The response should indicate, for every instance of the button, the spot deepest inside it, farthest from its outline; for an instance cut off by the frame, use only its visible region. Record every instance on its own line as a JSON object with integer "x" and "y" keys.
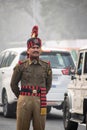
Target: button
{"x": 35, "y": 61}
{"x": 34, "y": 91}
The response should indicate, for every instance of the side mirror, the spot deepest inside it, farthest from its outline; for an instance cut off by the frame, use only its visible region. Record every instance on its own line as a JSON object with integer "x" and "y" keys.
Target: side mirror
{"x": 73, "y": 77}
{"x": 72, "y": 71}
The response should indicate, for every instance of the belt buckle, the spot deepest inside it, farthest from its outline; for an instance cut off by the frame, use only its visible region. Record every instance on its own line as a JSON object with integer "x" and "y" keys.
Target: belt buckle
{"x": 34, "y": 91}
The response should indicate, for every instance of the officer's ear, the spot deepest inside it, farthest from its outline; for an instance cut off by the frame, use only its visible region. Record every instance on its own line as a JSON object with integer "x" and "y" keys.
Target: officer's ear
{"x": 28, "y": 51}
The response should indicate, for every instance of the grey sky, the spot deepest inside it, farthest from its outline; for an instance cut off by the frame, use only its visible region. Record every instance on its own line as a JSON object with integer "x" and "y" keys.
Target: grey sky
{"x": 57, "y": 20}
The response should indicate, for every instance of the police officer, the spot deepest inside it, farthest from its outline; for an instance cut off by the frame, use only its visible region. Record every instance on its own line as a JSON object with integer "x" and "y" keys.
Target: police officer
{"x": 35, "y": 76}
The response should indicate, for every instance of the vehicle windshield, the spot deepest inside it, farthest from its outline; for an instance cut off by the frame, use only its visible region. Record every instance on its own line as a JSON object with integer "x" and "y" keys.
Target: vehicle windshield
{"x": 57, "y": 59}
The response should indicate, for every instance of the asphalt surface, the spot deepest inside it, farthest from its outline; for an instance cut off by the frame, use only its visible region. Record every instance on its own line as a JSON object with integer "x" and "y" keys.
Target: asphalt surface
{"x": 54, "y": 121}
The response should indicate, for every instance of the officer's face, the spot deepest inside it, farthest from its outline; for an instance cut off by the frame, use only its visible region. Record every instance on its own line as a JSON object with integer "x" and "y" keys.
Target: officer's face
{"x": 34, "y": 51}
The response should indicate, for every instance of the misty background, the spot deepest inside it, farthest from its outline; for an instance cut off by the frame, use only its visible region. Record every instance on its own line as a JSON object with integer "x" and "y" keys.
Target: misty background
{"x": 57, "y": 20}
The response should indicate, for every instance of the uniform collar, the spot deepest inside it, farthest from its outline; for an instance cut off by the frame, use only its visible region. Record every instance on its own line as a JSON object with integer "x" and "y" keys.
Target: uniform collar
{"x": 34, "y": 61}
{"x": 30, "y": 61}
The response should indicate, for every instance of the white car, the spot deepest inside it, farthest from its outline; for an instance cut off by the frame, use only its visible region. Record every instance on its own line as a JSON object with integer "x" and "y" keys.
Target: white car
{"x": 61, "y": 62}
{"x": 75, "y": 99}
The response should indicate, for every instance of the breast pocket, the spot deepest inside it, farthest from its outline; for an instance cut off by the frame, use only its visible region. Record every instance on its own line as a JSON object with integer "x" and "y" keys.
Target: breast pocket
{"x": 27, "y": 74}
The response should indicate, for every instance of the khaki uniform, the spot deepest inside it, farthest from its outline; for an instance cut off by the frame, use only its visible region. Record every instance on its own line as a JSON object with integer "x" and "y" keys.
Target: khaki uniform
{"x": 30, "y": 73}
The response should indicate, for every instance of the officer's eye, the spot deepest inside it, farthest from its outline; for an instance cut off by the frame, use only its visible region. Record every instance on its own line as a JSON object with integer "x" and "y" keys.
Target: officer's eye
{"x": 35, "y": 47}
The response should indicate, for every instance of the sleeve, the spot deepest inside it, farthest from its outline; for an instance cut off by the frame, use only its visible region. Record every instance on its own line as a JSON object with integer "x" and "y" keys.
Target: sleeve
{"x": 16, "y": 77}
{"x": 49, "y": 78}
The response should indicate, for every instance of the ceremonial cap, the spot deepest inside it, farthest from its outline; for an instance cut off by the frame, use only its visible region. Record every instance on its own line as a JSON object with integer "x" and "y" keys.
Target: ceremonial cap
{"x": 34, "y": 40}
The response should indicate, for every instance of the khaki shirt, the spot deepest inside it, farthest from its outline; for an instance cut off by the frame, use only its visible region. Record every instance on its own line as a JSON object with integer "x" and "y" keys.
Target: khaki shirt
{"x": 31, "y": 73}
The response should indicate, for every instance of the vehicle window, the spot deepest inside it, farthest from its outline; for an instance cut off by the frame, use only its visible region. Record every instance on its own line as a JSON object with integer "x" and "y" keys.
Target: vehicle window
{"x": 11, "y": 57}
{"x": 52, "y": 58}
{"x": 74, "y": 54}
{"x": 85, "y": 63}
{"x": 1, "y": 59}
{"x": 58, "y": 59}
{"x": 5, "y": 58}
{"x": 23, "y": 56}
{"x": 67, "y": 59}
{"x": 79, "y": 70}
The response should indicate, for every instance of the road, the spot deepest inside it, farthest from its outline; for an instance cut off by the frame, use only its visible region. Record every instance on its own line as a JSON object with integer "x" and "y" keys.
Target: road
{"x": 54, "y": 121}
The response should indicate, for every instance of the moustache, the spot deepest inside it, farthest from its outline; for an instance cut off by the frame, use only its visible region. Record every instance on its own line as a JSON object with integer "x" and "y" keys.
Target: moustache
{"x": 36, "y": 52}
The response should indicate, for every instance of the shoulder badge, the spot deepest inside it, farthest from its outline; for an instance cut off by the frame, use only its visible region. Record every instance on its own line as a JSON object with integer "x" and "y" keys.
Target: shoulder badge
{"x": 48, "y": 62}
{"x": 19, "y": 62}
{"x": 22, "y": 61}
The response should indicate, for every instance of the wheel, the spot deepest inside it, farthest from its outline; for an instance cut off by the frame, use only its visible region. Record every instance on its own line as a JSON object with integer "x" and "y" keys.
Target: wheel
{"x": 72, "y": 125}
{"x": 6, "y": 106}
{"x": 86, "y": 121}
{"x": 48, "y": 109}
{"x": 68, "y": 125}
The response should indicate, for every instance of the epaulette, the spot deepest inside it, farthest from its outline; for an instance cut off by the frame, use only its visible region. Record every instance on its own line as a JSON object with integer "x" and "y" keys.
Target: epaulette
{"x": 22, "y": 61}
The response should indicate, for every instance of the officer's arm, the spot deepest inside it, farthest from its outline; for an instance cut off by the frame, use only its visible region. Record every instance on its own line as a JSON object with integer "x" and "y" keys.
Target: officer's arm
{"x": 15, "y": 80}
{"x": 49, "y": 78}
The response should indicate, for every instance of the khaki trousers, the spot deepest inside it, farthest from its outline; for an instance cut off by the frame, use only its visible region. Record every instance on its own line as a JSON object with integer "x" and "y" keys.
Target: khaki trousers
{"x": 28, "y": 109}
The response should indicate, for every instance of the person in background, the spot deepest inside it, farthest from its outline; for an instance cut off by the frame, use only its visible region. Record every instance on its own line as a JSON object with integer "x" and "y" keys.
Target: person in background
{"x": 35, "y": 76}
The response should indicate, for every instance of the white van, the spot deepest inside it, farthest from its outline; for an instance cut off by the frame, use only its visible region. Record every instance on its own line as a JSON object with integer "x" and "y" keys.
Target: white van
{"x": 61, "y": 62}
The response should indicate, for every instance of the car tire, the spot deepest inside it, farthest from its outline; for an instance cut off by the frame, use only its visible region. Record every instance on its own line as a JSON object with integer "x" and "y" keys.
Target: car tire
{"x": 86, "y": 121}
{"x": 48, "y": 109}
{"x": 6, "y": 106}
{"x": 68, "y": 125}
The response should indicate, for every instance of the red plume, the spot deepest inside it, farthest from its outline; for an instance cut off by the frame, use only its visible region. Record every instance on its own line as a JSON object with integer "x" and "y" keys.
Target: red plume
{"x": 34, "y": 31}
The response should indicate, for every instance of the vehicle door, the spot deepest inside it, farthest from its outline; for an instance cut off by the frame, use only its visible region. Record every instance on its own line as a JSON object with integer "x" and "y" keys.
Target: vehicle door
{"x": 84, "y": 82}
{"x": 80, "y": 87}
